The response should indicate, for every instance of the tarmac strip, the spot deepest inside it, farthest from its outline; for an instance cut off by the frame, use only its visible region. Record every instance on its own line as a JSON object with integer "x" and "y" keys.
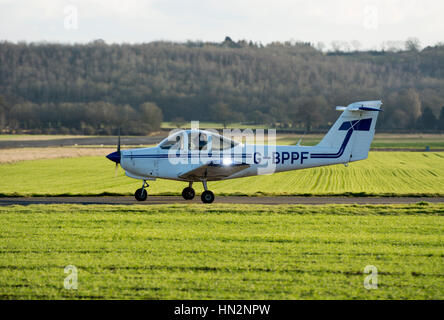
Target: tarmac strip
{"x": 151, "y": 200}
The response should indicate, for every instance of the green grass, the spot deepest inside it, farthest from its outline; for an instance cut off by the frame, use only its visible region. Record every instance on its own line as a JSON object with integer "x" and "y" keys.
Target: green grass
{"x": 222, "y": 251}
{"x": 213, "y": 125}
{"x": 384, "y": 173}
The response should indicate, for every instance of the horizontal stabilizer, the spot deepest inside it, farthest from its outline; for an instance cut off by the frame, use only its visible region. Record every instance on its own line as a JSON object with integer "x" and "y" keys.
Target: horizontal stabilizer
{"x": 368, "y": 109}
{"x": 362, "y": 106}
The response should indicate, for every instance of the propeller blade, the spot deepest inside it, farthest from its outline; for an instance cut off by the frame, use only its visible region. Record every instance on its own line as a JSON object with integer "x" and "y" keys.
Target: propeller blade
{"x": 116, "y": 155}
{"x": 118, "y": 142}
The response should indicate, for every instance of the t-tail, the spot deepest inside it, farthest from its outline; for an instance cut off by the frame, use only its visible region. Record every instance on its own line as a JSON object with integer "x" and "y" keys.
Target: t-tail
{"x": 349, "y": 139}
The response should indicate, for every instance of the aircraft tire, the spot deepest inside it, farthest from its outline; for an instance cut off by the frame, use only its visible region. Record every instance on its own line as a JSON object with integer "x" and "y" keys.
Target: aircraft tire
{"x": 141, "y": 194}
{"x": 188, "y": 193}
{"x": 207, "y": 196}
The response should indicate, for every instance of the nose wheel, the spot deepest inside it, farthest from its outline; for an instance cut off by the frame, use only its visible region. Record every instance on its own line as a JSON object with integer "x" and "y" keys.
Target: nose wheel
{"x": 207, "y": 196}
{"x": 141, "y": 194}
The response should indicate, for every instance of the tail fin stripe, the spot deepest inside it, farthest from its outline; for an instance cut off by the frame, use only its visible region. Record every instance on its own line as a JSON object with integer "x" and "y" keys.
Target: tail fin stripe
{"x": 339, "y": 153}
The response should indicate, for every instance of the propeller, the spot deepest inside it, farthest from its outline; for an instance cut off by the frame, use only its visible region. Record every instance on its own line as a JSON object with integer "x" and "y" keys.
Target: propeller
{"x": 118, "y": 151}
{"x": 115, "y": 156}
{"x": 118, "y": 141}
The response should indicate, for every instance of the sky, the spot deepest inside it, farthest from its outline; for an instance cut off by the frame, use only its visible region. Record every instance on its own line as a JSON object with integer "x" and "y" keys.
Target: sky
{"x": 352, "y": 24}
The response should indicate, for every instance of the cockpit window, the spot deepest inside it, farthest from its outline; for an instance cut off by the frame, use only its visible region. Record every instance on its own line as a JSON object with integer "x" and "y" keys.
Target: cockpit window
{"x": 197, "y": 141}
{"x": 174, "y": 141}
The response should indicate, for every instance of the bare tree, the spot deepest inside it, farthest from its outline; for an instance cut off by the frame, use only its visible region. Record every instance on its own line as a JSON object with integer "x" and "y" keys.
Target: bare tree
{"x": 412, "y": 44}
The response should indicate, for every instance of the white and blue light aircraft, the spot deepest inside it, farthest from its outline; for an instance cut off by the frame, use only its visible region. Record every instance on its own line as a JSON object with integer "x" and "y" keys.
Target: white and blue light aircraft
{"x": 202, "y": 156}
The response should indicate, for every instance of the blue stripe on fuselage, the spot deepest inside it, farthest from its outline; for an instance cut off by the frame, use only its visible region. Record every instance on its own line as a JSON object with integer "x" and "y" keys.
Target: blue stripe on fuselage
{"x": 184, "y": 155}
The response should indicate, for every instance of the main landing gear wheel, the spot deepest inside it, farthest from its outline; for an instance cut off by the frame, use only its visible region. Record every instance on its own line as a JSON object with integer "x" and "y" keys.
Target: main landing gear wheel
{"x": 141, "y": 193}
{"x": 207, "y": 196}
{"x": 188, "y": 193}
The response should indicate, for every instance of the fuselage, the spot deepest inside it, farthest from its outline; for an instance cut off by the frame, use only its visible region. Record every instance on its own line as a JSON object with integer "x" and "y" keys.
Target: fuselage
{"x": 262, "y": 159}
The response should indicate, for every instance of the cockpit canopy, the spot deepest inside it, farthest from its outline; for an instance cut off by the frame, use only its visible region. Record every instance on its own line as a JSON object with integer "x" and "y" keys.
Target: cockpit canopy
{"x": 197, "y": 140}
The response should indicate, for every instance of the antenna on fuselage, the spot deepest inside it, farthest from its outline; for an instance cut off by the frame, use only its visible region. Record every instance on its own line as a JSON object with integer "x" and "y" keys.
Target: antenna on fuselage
{"x": 300, "y": 140}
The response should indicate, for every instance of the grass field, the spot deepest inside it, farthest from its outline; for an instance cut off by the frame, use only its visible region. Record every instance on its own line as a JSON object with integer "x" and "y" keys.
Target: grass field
{"x": 384, "y": 173}
{"x": 222, "y": 251}
{"x": 22, "y": 137}
{"x": 212, "y": 125}
{"x": 381, "y": 141}
{"x": 25, "y": 154}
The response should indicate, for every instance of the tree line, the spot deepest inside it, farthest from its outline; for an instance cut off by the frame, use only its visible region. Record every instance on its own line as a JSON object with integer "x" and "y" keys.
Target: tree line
{"x": 91, "y": 118}
{"x": 92, "y": 88}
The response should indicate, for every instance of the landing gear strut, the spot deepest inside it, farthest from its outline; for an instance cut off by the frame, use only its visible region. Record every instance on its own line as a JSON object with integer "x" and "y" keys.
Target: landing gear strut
{"x": 141, "y": 193}
{"x": 207, "y": 196}
{"x": 188, "y": 193}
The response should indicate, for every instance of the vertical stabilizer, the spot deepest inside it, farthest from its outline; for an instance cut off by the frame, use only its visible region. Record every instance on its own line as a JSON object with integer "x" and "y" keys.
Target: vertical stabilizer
{"x": 353, "y": 132}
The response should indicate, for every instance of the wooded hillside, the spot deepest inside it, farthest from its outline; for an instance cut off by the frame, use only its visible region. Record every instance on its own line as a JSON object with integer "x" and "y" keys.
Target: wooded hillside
{"x": 95, "y": 86}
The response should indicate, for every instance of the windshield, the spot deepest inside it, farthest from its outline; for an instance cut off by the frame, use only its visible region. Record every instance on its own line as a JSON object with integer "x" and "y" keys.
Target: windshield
{"x": 197, "y": 141}
{"x": 172, "y": 141}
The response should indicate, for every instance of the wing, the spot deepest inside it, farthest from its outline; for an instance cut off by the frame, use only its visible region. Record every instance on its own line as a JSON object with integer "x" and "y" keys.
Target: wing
{"x": 213, "y": 171}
